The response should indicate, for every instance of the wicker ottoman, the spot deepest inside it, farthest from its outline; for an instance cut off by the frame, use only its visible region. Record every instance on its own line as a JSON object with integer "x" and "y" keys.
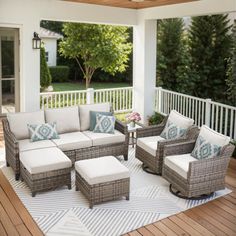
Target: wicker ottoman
{"x": 45, "y": 168}
{"x": 102, "y": 179}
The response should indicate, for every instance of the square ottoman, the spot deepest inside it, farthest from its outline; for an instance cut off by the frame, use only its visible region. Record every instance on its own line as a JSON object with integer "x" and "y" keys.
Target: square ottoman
{"x": 102, "y": 179}
{"x": 45, "y": 168}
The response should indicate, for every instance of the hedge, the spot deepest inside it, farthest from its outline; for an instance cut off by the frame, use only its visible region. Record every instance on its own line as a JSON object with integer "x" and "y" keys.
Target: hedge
{"x": 59, "y": 73}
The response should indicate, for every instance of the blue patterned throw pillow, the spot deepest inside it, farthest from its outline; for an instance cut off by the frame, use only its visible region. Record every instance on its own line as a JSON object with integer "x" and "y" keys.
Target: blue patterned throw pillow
{"x": 93, "y": 115}
{"x": 203, "y": 149}
{"x": 104, "y": 124}
{"x": 43, "y": 132}
{"x": 172, "y": 131}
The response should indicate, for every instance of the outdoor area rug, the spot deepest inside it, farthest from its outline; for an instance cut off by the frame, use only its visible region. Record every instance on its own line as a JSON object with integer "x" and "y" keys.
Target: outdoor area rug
{"x": 66, "y": 212}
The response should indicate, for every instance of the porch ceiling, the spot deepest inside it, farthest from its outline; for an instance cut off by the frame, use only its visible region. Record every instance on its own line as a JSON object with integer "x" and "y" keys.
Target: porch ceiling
{"x": 131, "y": 4}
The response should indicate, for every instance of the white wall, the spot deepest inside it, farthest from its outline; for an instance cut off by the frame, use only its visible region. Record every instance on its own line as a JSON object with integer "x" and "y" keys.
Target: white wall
{"x": 27, "y": 14}
{"x": 50, "y": 45}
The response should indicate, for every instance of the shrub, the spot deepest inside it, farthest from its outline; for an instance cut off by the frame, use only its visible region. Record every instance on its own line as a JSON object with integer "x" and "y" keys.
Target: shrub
{"x": 59, "y": 73}
{"x": 45, "y": 77}
{"x": 155, "y": 119}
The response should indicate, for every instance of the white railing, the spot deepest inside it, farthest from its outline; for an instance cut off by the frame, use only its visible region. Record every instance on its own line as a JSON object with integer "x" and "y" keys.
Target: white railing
{"x": 217, "y": 116}
{"x": 120, "y": 98}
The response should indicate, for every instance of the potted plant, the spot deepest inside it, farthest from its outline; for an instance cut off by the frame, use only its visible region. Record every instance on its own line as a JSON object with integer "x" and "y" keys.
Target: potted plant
{"x": 132, "y": 118}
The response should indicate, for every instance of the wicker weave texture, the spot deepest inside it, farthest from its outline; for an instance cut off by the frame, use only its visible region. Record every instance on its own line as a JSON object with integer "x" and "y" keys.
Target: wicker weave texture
{"x": 46, "y": 180}
{"x": 204, "y": 176}
{"x": 154, "y": 163}
{"x": 103, "y": 192}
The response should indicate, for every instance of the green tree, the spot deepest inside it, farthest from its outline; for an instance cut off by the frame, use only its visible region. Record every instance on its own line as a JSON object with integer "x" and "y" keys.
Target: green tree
{"x": 96, "y": 46}
{"x": 210, "y": 44}
{"x": 55, "y": 26}
{"x": 45, "y": 76}
{"x": 231, "y": 80}
{"x": 170, "y": 54}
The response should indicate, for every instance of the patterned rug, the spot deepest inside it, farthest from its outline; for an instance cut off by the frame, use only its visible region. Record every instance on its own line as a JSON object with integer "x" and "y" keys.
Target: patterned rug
{"x": 66, "y": 212}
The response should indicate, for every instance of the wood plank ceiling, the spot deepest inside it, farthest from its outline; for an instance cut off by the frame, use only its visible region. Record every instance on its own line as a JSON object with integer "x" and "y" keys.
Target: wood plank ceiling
{"x": 138, "y": 4}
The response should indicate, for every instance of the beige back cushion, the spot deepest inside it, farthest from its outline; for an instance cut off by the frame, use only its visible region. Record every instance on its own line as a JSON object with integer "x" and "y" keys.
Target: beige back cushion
{"x": 180, "y": 120}
{"x": 18, "y": 122}
{"x": 84, "y": 112}
{"x": 67, "y": 119}
{"x": 213, "y": 137}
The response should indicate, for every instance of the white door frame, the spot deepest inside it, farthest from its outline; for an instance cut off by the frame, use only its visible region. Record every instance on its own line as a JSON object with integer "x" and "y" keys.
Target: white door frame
{"x": 15, "y": 33}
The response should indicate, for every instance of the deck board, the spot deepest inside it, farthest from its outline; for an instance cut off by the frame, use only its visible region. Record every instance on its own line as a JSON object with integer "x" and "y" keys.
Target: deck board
{"x": 217, "y": 217}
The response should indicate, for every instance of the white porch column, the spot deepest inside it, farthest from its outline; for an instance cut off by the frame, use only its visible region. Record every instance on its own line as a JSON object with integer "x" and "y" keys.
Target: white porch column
{"x": 144, "y": 67}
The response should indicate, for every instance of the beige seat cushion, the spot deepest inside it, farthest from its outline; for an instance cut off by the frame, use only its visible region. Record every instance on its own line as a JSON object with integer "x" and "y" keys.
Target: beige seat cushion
{"x": 44, "y": 160}
{"x": 84, "y": 112}
{"x": 72, "y": 141}
{"x": 67, "y": 119}
{"x": 101, "y": 170}
{"x": 179, "y": 163}
{"x": 149, "y": 144}
{"x": 180, "y": 120}
{"x": 213, "y": 137}
{"x": 104, "y": 138}
{"x": 18, "y": 122}
{"x": 26, "y": 144}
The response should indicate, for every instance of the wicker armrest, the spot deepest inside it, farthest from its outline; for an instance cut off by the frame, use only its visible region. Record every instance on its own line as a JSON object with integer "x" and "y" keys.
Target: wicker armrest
{"x": 179, "y": 148}
{"x": 8, "y": 133}
{"x": 213, "y": 165}
{"x": 149, "y": 131}
{"x": 122, "y": 127}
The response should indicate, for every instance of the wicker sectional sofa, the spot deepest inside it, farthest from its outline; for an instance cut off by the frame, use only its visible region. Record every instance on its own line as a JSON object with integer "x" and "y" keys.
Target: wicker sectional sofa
{"x": 76, "y": 141}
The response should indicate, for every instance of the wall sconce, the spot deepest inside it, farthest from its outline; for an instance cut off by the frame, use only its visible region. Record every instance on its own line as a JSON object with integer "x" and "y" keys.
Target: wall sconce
{"x": 36, "y": 41}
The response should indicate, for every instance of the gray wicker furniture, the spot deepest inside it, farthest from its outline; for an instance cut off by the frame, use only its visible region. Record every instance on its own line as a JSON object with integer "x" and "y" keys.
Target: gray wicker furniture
{"x": 196, "y": 178}
{"x": 75, "y": 124}
{"x": 102, "y": 179}
{"x": 45, "y": 169}
{"x": 152, "y": 162}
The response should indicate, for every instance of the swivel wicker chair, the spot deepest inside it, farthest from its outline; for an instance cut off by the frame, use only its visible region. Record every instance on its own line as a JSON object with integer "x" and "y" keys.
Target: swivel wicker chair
{"x": 192, "y": 178}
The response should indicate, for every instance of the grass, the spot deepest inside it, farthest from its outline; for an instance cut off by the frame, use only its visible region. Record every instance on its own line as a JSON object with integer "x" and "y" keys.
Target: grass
{"x": 57, "y": 87}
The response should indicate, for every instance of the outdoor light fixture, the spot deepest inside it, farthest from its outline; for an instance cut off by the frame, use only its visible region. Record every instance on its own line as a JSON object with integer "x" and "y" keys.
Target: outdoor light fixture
{"x": 36, "y": 41}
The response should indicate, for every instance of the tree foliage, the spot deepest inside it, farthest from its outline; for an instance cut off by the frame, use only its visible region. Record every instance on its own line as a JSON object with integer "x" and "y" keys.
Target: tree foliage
{"x": 96, "y": 46}
{"x": 231, "y": 80}
{"x": 210, "y": 43}
{"x": 45, "y": 76}
{"x": 170, "y": 53}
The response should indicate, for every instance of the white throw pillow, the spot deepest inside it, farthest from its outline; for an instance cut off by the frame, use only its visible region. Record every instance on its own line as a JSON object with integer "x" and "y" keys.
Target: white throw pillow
{"x": 84, "y": 112}
{"x": 66, "y": 119}
{"x": 180, "y": 120}
{"x": 18, "y": 122}
{"x": 209, "y": 143}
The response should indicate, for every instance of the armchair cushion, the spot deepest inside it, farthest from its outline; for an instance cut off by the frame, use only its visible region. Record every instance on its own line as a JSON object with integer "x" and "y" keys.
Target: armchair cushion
{"x": 180, "y": 120}
{"x": 209, "y": 143}
{"x": 172, "y": 131}
{"x": 149, "y": 144}
{"x": 26, "y": 145}
{"x": 84, "y": 112}
{"x": 176, "y": 125}
{"x": 18, "y": 122}
{"x": 179, "y": 163}
{"x": 66, "y": 119}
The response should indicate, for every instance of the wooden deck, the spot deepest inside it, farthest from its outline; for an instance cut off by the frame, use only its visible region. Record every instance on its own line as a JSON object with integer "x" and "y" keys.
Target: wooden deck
{"x": 217, "y": 217}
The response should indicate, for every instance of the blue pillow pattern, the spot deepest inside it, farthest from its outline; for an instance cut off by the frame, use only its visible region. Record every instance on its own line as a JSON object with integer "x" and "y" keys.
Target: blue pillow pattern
{"x": 203, "y": 149}
{"x": 93, "y": 118}
{"x": 104, "y": 124}
{"x": 42, "y": 132}
{"x": 172, "y": 131}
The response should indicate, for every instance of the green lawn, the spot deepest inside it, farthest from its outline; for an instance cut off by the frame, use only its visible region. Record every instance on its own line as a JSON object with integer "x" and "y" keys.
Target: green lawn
{"x": 57, "y": 87}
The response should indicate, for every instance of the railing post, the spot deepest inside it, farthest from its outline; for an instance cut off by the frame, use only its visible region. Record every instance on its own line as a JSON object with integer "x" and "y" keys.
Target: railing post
{"x": 158, "y": 102}
{"x": 208, "y": 112}
{"x": 90, "y": 96}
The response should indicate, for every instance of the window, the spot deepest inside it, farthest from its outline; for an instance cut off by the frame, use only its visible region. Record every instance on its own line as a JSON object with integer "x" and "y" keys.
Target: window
{"x": 47, "y": 56}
